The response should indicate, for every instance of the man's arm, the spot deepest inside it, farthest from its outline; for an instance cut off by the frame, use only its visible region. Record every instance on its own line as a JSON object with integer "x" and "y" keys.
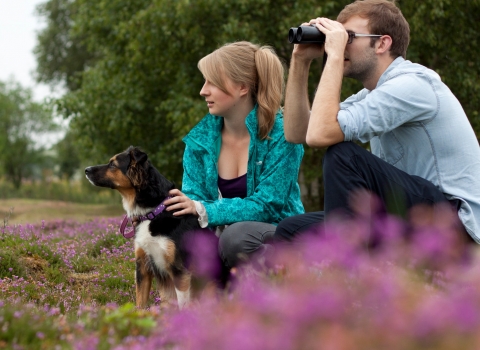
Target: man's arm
{"x": 297, "y": 106}
{"x": 323, "y": 127}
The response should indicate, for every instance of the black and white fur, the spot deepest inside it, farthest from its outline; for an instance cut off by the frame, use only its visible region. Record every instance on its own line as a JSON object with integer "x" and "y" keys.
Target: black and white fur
{"x": 159, "y": 243}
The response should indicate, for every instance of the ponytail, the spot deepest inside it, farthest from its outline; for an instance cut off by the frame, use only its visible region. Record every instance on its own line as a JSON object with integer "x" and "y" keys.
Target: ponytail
{"x": 270, "y": 87}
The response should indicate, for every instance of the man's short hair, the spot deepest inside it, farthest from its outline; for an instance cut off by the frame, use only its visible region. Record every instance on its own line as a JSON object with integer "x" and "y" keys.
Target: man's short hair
{"x": 384, "y": 18}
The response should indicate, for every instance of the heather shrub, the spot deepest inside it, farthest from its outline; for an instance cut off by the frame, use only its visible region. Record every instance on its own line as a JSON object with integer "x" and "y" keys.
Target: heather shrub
{"x": 105, "y": 242}
{"x": 9, "y": 264}
{"x": 376, "y": 282}
{"x": 23, "y": 326}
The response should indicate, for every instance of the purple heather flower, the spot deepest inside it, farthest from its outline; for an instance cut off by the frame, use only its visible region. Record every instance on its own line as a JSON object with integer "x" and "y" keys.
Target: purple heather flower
{"x": 204, "y": 254}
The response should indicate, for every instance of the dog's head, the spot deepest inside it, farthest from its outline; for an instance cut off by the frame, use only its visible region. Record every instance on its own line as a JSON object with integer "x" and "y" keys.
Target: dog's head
{"x": 131, "y": 173}
{"x": 124, "y": 170}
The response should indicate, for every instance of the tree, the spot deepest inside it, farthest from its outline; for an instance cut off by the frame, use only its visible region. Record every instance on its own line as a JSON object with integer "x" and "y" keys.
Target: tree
{"x": 61, "y": 57}
{"x": 445, "y": 38}
{"x": 20, "y": 120}
{"x": 142, "y": 88}
{"x": 67, "y": 158}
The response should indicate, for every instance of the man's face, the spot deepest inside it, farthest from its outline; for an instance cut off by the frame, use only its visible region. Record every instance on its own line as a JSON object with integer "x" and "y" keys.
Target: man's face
{"x": 360, "y": 58}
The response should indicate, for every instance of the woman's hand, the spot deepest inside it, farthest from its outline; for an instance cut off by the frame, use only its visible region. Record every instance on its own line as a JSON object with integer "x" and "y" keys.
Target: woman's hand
{"x": 180, "y": 202}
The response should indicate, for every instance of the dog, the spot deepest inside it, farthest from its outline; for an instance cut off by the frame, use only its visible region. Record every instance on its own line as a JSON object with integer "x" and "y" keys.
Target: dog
{"x": 160, "y": 250}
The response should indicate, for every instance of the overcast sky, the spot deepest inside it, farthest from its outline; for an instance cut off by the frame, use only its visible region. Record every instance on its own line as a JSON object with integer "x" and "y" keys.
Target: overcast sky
{"x": 18, "y": 26}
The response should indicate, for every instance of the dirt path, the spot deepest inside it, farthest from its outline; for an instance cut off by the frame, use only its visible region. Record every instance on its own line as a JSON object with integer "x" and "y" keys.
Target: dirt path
{"x": 33, "y": 211}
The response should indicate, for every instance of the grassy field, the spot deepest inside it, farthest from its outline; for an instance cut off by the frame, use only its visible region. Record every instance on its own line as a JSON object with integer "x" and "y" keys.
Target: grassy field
{"x": 33, "y": 211}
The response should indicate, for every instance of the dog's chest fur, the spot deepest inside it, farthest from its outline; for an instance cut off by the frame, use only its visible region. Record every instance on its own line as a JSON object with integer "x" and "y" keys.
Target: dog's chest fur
{"x": 154, "y": 246}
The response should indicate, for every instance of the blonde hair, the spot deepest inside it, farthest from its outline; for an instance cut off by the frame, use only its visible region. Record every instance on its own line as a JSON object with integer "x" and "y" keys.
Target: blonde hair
{"x": 257, "y": 67}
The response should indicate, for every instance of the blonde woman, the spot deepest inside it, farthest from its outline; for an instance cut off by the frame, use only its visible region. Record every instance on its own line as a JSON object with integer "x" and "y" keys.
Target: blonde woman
{"x": 240, "y": 174}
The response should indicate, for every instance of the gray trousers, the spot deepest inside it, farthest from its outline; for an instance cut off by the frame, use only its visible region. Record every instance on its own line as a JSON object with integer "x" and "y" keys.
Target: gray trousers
{"x": 241, "y": 240}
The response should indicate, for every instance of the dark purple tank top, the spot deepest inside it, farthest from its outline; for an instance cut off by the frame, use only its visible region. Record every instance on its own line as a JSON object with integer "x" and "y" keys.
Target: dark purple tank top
{"x": 234, "y": 187}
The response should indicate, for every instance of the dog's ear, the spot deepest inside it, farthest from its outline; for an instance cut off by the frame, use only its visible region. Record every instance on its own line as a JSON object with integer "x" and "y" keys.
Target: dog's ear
{"x": 136, "y": 154}
{"x": 137, "y": 170}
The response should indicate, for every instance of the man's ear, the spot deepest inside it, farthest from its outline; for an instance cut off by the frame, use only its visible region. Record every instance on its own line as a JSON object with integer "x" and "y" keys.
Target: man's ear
{"x": 383, "y": 44}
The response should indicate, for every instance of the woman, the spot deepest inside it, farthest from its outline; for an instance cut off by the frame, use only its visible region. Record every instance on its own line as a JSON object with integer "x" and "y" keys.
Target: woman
{"x": 240, "y": 174}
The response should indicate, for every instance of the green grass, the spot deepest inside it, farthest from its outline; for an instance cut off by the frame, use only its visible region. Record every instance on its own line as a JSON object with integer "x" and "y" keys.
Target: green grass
{"x": 80, "y": 191}
{"x": 34, "y": 211}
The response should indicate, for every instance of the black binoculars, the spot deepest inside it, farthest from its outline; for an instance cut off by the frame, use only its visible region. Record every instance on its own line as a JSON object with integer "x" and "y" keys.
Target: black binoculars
{"x": 305, "y": 35}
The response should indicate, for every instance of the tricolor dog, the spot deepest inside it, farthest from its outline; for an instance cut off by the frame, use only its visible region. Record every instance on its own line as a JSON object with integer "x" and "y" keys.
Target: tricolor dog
{"x": 159, "y": 236}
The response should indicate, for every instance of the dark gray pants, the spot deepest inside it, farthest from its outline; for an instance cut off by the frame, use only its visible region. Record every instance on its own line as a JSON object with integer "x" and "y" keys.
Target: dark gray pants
{"x": 348, "y": 167}
{"x": 243, "y": 239}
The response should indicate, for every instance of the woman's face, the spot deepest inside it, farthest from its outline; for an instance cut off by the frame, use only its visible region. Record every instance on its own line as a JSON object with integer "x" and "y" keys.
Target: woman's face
{"x": 220, "y": 103}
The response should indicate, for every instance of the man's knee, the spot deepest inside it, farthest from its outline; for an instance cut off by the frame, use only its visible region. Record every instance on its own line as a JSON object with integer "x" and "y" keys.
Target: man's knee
{"x": 293, "y": 226}
{"x": 286, "y": 229}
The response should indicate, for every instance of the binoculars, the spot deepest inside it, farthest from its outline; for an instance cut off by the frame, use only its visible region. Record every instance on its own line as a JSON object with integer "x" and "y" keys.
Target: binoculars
{"x": 305, "y": 35}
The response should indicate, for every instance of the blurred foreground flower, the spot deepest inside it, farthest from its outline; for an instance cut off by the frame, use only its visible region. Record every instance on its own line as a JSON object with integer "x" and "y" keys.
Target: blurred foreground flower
{"x": 333, "y": 289}
{"x": 376, "y": 282}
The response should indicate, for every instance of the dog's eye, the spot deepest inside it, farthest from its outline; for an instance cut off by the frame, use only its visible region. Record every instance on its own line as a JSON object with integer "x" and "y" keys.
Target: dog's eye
{"x": 111, "y": 165}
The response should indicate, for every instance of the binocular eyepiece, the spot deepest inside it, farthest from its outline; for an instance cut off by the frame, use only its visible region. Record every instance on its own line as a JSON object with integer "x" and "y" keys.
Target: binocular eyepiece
{"x": 306, "y": 35}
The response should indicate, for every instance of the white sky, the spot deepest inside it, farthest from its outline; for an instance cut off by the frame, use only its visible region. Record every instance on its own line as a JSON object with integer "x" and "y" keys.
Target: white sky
{"x": 18, "y": 26}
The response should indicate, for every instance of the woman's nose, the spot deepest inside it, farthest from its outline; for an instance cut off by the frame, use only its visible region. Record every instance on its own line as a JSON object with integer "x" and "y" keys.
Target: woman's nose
{"x": 205, "y": 90}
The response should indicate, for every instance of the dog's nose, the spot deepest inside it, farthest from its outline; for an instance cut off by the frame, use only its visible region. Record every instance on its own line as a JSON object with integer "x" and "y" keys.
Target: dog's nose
{"x": 88, "y": 170}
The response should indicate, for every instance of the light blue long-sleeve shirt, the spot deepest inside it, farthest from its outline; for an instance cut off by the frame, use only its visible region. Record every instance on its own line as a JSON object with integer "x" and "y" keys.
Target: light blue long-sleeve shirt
{"x": 414, "y": 122}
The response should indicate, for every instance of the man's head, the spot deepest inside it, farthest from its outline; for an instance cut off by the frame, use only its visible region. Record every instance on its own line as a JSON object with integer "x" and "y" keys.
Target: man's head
{"x": 384, "y": 18}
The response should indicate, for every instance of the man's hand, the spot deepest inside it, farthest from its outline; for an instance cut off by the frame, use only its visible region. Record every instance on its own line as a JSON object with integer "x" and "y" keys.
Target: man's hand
{"x": 307, "y": 52}
{"x": 180, "y": 201}
{"x": 336, "y": 36}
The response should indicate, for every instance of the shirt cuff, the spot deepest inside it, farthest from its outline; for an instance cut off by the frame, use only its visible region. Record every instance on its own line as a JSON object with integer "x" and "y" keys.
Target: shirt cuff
{"x": 202, "y": 214}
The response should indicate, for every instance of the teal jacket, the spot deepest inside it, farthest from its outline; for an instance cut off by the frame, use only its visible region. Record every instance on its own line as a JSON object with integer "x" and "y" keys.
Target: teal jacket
{"x": 273, "y": 192}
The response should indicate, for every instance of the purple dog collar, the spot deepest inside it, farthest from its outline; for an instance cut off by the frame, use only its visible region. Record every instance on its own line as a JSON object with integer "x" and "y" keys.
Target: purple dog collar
{"x": 129, "y": 232}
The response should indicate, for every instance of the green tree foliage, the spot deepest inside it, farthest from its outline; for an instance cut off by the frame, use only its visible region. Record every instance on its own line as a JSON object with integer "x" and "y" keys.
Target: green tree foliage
{"x": 67, "y": 157}
{"x": 61, "y": 57}
{"x": 445, "y": 38}
{"x": 20, "y": 120}
{"x": 142, "y": 88}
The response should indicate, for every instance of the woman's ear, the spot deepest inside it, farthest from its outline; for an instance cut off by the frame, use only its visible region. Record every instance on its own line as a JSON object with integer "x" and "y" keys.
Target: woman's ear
{"x": 244, "y": 89}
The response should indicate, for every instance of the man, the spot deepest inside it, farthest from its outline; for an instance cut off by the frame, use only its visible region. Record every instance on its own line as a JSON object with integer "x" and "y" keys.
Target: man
{"x": 424, "y": 150}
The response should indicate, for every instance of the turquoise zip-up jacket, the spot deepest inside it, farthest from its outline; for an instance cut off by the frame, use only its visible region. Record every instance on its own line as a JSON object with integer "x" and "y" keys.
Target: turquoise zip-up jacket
{"x": 273, "y": 192}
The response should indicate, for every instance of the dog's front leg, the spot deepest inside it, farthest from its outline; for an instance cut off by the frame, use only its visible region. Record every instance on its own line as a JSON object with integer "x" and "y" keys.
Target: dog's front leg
{"x": 143, "y": 277}
{"x": 182, "y": 284}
